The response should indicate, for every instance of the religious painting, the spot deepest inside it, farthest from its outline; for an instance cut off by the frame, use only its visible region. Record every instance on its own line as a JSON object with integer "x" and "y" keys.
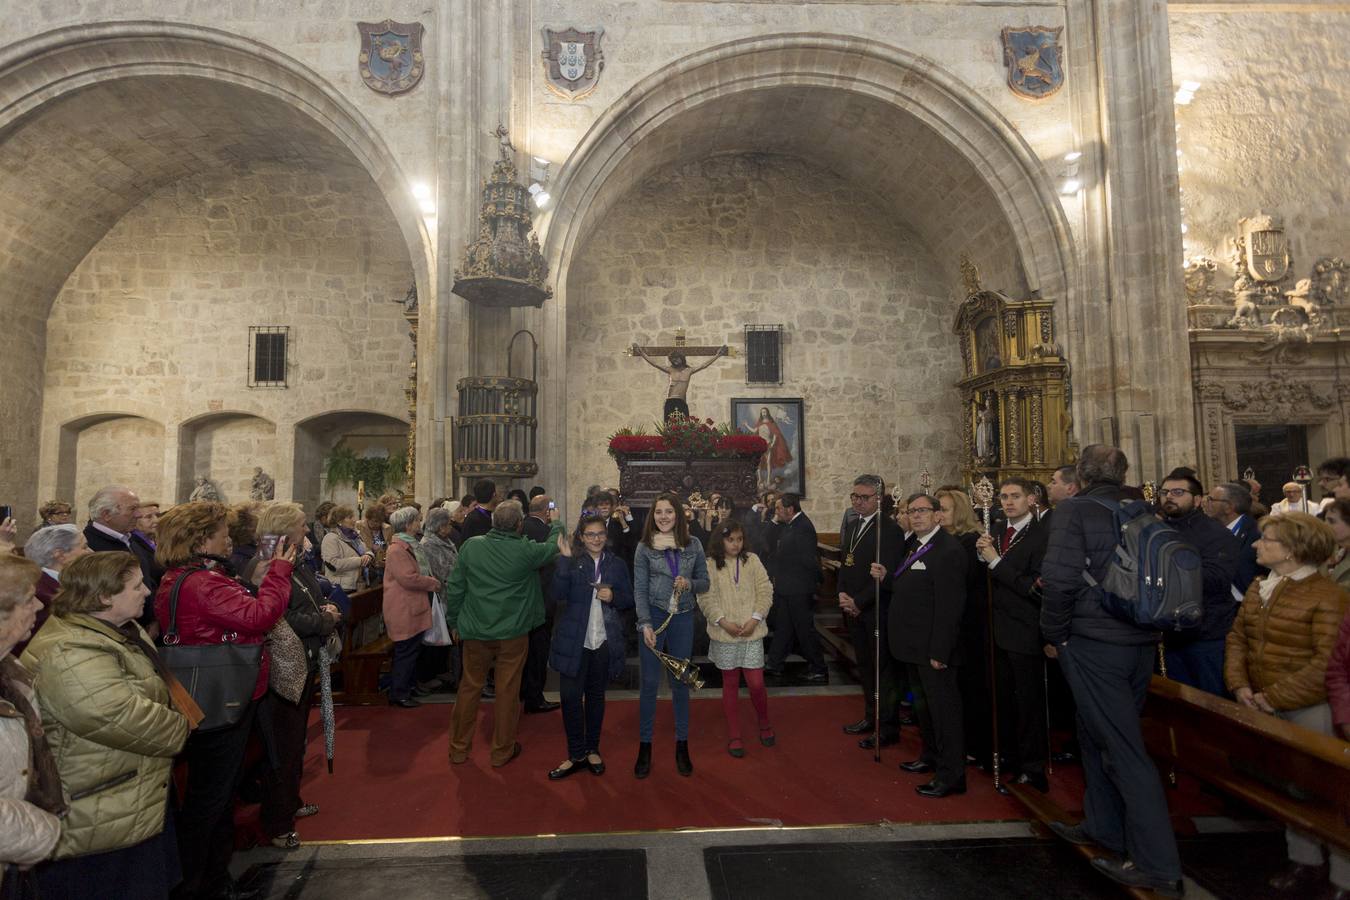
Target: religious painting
{"x": 988, "y": 355}
{"x": 781, "y": 422}
{"x": 986, "y": 428}
{"x": 1034, "y": 60}
{"x": 391, "y": 60}
{"x": 573, "y": 61}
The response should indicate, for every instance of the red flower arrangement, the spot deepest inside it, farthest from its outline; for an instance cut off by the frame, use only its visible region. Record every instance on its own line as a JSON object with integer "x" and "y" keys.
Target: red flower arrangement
{"x": 681, "y": 436}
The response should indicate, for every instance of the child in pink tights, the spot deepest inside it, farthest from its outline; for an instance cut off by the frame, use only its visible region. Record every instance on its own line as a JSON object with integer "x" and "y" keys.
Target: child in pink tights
{"x": 735, "y": 606}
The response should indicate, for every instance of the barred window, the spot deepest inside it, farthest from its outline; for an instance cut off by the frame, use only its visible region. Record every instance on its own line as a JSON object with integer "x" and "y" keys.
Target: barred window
{"x": 267, "y": 355}
{"x": 764, "y": 354}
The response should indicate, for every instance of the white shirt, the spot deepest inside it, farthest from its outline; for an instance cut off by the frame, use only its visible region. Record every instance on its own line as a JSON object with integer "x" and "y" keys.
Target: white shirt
{"x": 595, "y": 625}
{"x": 125, "y": 539}
{"x": 925, "y": 538}
{"x": 1017, "y": 527}
{"x": 52, "y": 573}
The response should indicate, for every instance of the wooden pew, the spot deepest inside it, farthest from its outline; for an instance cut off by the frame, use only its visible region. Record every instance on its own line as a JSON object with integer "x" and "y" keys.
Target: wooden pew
{"x": 1253, "y": 756}
{"x": 830, "y": 624}
{"x": 365, "y": 650}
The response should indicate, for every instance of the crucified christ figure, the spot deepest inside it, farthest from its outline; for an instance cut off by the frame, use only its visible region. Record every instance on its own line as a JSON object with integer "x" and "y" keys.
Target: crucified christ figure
{"x": 677, "y": 394}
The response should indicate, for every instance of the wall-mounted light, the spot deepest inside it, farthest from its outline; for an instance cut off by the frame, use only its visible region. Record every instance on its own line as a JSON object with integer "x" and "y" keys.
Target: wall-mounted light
{"x": 1070, "y": 186}
{"x": 1070, "y": 183}
{"x": 1073, "y": 157}
{"x": 540, "y": 195}
{"x": 1186, "y": 93}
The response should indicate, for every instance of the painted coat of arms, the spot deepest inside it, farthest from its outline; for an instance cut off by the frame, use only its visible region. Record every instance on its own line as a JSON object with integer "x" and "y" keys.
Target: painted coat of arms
{"x": 1035, "y": 61}
{"x": 573, "y": 61}
{"x": 391, "y": 60}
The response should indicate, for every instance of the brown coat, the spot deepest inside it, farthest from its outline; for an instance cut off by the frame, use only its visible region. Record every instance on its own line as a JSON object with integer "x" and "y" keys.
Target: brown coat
{"x": 1281, "y": 648}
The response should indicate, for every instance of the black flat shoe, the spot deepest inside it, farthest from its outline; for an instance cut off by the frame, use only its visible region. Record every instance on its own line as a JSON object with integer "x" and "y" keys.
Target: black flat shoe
{"x": 1074, "y": 834}
{"x": 937, "y": 789}
{"x": 546, "y": 707}
{"x": 917, "y": 766}
{"x": 862, "y": 726}
{"x": 683, "y": 764}
{"x": 570, "y": 767}
{"x": 643, "y": 767}
{"x": 1125, "y": 873}
{"x": 887, "y": 740}
{"x": 597, "y": 768}
{"x": 409, "y": 703}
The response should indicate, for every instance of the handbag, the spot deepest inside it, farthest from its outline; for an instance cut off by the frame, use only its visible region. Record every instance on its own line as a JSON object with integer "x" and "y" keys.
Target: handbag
{"x": 289, "y": 663}
{"x": 438, "y": 635}
{"x": 220, "y": 677}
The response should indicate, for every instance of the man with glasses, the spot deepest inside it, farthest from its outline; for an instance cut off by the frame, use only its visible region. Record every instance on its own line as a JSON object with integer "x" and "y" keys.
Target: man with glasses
{"x": 1230, "y": 505}
{"x": 1108, "y": 663}
{"x": 1195, "y": 657}
{"x": 1333, "y": 477}
{"x": 858, "y": 601}
{"x": 928, "y": 590}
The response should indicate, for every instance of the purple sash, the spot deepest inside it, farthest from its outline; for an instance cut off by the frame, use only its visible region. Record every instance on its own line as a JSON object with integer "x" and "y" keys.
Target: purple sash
{"x": 913, "y": 558}
{"x": 673, "y": 563}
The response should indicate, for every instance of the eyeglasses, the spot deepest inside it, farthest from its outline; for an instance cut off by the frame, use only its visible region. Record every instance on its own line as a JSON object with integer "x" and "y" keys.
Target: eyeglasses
{"x": 1214, "y": 499}
{"x": 856, "y": 497}
{"x": 1175, "y": 492}
{"x": 594, "y": 535}
{"x": 915, "y": 510}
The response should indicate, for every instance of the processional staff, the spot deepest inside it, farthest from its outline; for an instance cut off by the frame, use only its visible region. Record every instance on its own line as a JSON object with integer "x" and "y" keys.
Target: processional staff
{"x": 983, "y": 492}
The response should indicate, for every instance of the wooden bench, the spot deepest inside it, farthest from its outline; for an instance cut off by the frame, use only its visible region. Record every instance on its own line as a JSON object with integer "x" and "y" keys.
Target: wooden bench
{"x": 365, "y": 650}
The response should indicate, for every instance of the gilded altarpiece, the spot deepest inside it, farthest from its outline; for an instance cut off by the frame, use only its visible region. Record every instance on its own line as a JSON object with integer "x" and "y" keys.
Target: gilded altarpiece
{"x": 1016, "y": 388}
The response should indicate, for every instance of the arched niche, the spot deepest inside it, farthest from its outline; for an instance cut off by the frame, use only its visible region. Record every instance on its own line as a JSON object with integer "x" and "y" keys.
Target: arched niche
{"x": 109, "y": 448}
{"x": 225, "y": 447}
{"x": 364, "y": 431}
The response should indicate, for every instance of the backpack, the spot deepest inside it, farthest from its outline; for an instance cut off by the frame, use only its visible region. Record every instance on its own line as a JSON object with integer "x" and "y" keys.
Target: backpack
{"x": 1154, "y": 579}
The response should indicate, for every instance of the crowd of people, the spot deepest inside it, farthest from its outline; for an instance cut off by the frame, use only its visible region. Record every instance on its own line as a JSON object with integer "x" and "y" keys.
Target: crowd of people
{"x": 951, "y": 614}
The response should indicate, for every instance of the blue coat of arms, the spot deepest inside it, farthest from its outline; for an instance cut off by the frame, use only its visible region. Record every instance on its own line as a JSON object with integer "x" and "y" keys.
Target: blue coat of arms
{"x": 391, "y": 60}
{"x": 1035, "y": 61}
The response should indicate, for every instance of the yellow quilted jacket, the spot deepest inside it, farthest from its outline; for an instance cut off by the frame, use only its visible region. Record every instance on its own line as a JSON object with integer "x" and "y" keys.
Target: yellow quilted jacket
{"x": 111, "y": 728}
{"x": 1282, "y": 647}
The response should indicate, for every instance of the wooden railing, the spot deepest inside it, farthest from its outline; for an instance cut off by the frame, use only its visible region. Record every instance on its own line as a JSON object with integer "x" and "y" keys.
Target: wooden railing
{"x": 365, "y": 649}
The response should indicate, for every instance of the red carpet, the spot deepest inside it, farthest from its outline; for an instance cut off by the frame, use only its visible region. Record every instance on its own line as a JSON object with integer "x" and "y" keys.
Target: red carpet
{"x": 392, "y": 777}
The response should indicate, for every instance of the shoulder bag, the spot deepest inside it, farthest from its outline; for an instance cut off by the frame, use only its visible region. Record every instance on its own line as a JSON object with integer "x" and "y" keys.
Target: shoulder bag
{"x": 220, "y": 677}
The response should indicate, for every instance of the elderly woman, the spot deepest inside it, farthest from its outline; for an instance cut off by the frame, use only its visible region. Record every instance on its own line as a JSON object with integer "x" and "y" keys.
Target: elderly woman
{"x": 376, "y": 534}
{"x": 30, "y": 790}
{"x": 114, "y": 731}
{"x": 53, "y": 548}
{"x": 1277, "y": 654}
{"x": 284, "y": 711}
{"x": 438, "y": 543}
{"x": 345, "y": 556}
{"x": 55, "y": 512}
{"x": 408, "y": 584}
{"x": 214, "y": 608}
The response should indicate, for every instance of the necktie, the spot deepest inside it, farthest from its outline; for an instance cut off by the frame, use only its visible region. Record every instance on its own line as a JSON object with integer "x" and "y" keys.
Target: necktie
{"x": 1007, "y": 539}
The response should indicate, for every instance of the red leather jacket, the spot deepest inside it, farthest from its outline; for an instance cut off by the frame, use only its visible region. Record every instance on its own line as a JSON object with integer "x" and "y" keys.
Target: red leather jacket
{"x": 214, "y": 608}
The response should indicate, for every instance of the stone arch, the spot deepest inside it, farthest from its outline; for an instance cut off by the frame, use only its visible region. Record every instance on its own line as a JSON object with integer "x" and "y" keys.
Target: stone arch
{"x": 224, "y": 446}
{"x": 317, "y": 434}
{"x": 643, "y": 130}
{"x": 43, "y": 78}
{"x": 77, "y": 476}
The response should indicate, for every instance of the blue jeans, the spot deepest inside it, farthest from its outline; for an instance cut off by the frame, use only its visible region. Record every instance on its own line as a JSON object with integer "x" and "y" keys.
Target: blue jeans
{"x": 1199, "y": 664}
{"x": 583, "y": 702}
{"x": 677, "y": 640}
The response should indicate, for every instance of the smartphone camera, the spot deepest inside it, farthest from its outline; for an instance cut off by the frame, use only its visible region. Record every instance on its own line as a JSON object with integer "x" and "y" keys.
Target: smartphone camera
{"x": 552, "y": 505}
{"x": 267, "y": 545}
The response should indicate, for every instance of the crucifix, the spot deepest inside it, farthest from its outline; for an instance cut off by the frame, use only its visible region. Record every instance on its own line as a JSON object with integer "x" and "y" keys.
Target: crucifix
{"x": 679, "y": 371}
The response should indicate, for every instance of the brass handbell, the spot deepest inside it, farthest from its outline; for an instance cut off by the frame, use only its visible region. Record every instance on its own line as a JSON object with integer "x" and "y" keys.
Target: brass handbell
{"x": 682, "y": 670}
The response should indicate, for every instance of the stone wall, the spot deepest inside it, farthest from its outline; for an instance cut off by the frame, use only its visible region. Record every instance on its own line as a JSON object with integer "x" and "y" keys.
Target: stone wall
{"x": 717, "y": 244}
{"x": 1268, "y": 128}
{"x": 158, "y": 315}
{"x": 125, "y": 450}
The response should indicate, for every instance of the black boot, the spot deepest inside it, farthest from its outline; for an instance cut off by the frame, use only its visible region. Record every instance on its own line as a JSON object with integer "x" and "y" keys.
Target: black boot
{"x": 683, "y": 764}
{"x": 643, "y": 767}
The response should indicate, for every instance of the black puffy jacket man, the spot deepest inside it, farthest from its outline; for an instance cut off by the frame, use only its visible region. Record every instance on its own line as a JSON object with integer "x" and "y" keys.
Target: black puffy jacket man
{"x": 1108, "y": 663}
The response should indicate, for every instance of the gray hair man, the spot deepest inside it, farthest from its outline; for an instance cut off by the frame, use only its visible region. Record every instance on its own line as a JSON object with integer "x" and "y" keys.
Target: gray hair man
{"x": 112, "y": 516}
{"x": 1108, "y": 663}
{"x": 493, "y": 602}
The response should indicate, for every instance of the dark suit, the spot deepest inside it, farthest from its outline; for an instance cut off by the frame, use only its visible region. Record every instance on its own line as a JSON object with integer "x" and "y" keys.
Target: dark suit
{"x": 151, "y": 573}
{"x": 795, "y": 570}
{"x": 535, "y": 673}
{"x": 856, "y": 581}
{"x": 478, "y": 521}
{"x": 1019, "y": 657}
{"x": 1247, "y": 570}
{"x": 928, "y": 602}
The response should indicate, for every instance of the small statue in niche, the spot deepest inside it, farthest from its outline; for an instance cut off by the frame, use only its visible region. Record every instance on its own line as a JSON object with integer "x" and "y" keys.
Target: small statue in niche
{"x": 986, "y": 431}
{"x": 204, "y": 490}
{"x": 1245, "y": 313}
{"x": 263, "y": 487}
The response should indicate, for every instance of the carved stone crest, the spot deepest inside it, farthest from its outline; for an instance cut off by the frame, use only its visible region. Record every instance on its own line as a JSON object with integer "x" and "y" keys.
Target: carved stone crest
{"x": 1263, "y": 250}
{"x": 1034, "y": 60}
{"x": 1199, "y": 279}
{"x": 1286, "y": 398}
{"x": 1331, "y": 281}
{"x": 573, "y": 61}
{"x": 391, "y": 60}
